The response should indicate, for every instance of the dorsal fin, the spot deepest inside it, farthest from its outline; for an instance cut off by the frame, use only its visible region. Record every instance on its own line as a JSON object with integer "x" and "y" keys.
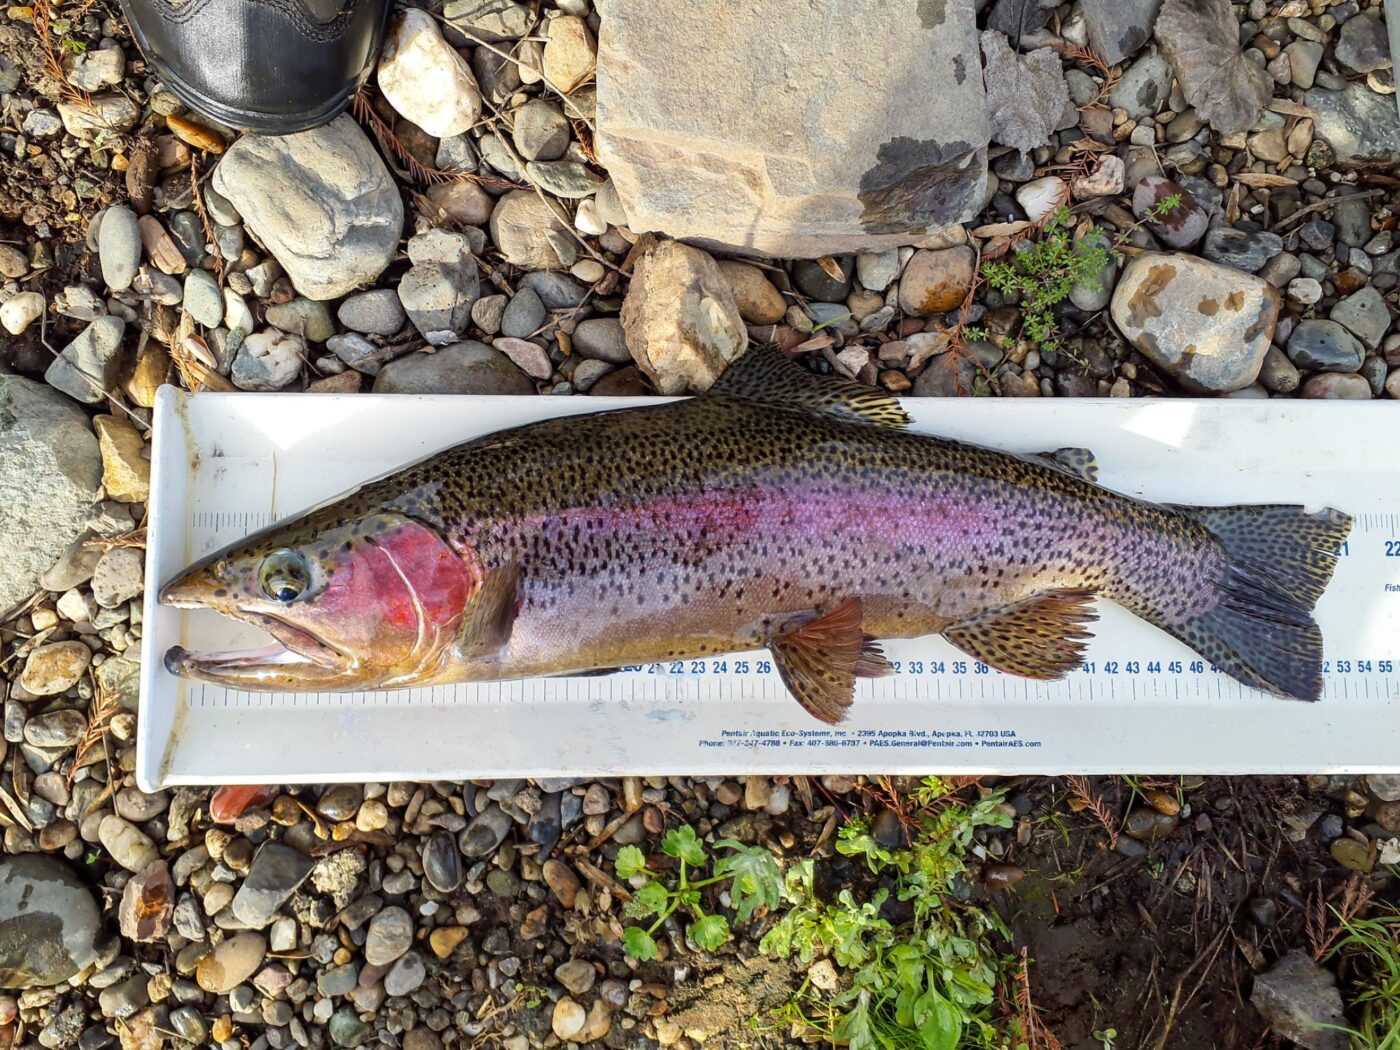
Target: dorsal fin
{"x": 1077, "y": 461}
{"x": 764, "y": 374}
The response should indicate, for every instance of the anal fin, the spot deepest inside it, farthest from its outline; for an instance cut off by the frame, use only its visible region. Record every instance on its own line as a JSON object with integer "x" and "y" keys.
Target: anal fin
{"x": 819, "y": 658}
{"x": 1041, "y": 637}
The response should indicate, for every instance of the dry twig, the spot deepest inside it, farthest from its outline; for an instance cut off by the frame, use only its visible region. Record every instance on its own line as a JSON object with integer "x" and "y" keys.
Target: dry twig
{"x": 1081, "y": 792}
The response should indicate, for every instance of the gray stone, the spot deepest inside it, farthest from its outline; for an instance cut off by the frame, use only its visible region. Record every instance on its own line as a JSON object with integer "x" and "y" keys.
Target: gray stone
{"x": 389, "y": 935}
{"x": 361, "y": 354}
{"x": 267, "y": 360}
{"x": 813, "y": 281}
{"x": 116, "y": 578}
{"x": 1093, "y": 291}
{"x": 1337, "y": 386}
{"x": 88, "y": 366}
{"x": 128, "y": 845}
{"x": 564, "y": 178}
{"x": 406, "y": 975}
{"x": 322, "y": 202}
{"x": 99, "y": 117}
{"x": 1325, "y": 346}
{"x": 486, "y": 20}
{"x": 834, "y": 158}
{"x": 462, "y": 368}
{"x": 1353, "y": 219}
{"x": 558, "y": 291}
{"x": 524, "y": 315}
{"x": 41, "y": 124}
{"x": 497, "y": 74}
{"x": 442, "y": 863}
{"x": 520, "y": 227}
{"x": 438, "y": 300}
{"x": 304, "y": 317}
{"x": 1143, "y": 89}
{"x": 338, "y": 980}
{"x": 275, "y": 874}
{"x": 1304, "y": 56}
{"x": 50, "y": 469}
{"x": 1278, "y": 373}
{"x": 375, "y": 313}
{"x": 1018, "y": 18}
{"x": 346, "y": 1029}
{"x": 1364, "y": 314}
{"x": 499, "y": 156}
{"x": 1385, "y": 786}
{"x": 602, "y": 338}
{"x": 540, "y": 130}
{"x": 56, "y": 728}
{"x": 119, "y": 247}
{"x": 488, "y": 311}
{"x": 1361, "y": 126}
{"x": 457, "y": 153}
{"x": 1246, "y": 250}
{"x": 124, "y": 998}
{"x": 486, "y": 831}
{"x": 203, "y": 299}
{"x": 1298, "y": 999}
{"x": 1117, "y": 28}
{"x": 49, "y": 922}
{"x": 1361, "y": 44}
{"x": 1206, "y": 325}
{"x": 1026, "y": 94}
{"x": 576, "y": 975}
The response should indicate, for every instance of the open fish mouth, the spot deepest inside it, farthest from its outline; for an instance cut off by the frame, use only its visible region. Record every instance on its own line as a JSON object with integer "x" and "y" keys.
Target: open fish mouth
{"x": 292, "y": 648}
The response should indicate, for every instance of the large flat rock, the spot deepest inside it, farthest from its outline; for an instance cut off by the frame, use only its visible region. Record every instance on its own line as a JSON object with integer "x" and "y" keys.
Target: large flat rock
{"x": 768, "y": 127}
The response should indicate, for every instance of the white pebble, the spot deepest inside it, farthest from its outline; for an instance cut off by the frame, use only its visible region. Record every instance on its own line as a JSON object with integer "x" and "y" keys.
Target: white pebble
{"x": 21, "y": 311}
{"x": 1304, "y": 290}
{"x": 588, "y": 221}
{"x": 236, "y": 312}
{"x": 588, "y": 271}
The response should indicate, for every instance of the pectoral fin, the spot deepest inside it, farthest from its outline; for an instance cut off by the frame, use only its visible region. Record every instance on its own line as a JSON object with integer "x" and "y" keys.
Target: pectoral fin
{"x": 491, "y": 611}
{"x": 819, "y": 658}
{"x": 1041, "y": 637}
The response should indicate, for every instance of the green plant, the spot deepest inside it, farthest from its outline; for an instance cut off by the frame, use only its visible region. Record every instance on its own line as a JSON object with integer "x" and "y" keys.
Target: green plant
{"x": 753, "y": 876}
{"x": 1373, "y": 948}
{"x": 1106, "y": 1037}
{"x": 1044, "y": 272}
{"x": 928, "y": 982}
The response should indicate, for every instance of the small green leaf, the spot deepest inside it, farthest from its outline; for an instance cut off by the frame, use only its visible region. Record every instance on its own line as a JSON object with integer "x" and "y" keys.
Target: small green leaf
{"x": 681, "y": 842}
{"x": 637, "y": 943}
{"x": 649, "y": 900}
{"x": 709, "y": 933}
{"x": 630, "y": 861}
{"x": 756, "y": 877}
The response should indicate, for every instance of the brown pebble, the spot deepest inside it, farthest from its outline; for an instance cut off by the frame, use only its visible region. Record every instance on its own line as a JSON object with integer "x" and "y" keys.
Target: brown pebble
{"x": 1148, "y": 825}
{"x": 535, "y": 924}
{"x": 1388, "y": 816}
{"x": 1353, "y": 855}
{"x": 444, "y": 940}
{"x": 1162, "y": 801}
{"x": 562, "y": 881}
{"x": 1002, "y": 876}
{"x": 729, "y": 793}
{"x": 653, "y": 821}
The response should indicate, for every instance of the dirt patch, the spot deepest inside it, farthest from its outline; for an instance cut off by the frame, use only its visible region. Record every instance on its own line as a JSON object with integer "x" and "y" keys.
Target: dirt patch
{"x": 726, "y": 1001}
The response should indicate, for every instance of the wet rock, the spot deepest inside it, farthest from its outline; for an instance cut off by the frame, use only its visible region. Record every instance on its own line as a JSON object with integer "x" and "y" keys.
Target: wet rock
{"x": 1242, "y": 249}
{"x": 54, "y": 668}
{"x": 1324, "y": 346}
{"x": 462, "y": 368}
{"x": 49, "y": 922}
{"x": 522, "y": 227}
{"x": 1298, "y": 999}
{"x": 1117, "y": 28}
{"x": 442, "y": 863}
{"x": 693, "y": 134}
{"x": 1361, "y": 126}
{"x": 680, "y": 320}
{"x": 1180, "y": 227}
{"x": 89, "y": 365}
{"x": 148, "y": 904}
{"x": 322, "y": 202}
{"x": 1148, "y": 824}
{"x": 1208, "y": 326}
{"x": 424, "y": 79}
{"x": 1331, "y": 386}
{"x": 235, "y": 960}
{"x": 936, "y": 281}
{"x": 275, "y": 874}
{"x": 486, "y": 831}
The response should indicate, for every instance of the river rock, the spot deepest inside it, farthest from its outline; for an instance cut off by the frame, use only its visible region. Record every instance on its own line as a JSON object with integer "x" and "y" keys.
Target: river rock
{"x": 267, "y": 360}
{"x": 691, "y": 155}
{"x": 1206, "y": 325}
{"x": 274, "y": 875}
{"x": 1361, "y": 44}
{"x": 1324, "y": 346}
{"x": 1180, "y": 227}
{"x": 1361, "y": 126}
{"x": 322, "y": 202}
{"x": 438, "y": 292}
{"x": 570, "y": 53}
{"x": 490, "y": 21}
{"x": 603, "y": 339}
{"x": 1246, "y": 250}
{"x": 100, "y": 115}
{"x": 524, "y": 315}
{"x": 424, "y": 79}
{"x": 50, "y": 468}
{"x": 936, "y": 281}
{"x": 1364, "y": 314}
{"x": 680, "y": 320}
{"x": 49, "y": 922}
{"x": 148, "y": 904}
{"x": 375, "y": 313}
{"x": 1337, "y": 386}
{"x": 462, "y": 368}
{"x": 129, "y": 846}
{"x": 126, "y": 472}
{"x": 540, "y": 130}
{"x": 62, "y": 728}
{"x": 1299, "y": 1000}
{"x": 758, "y": 299}
{"x": 119, "y": 247}
{"x": 1143, "y": 88}
{"x": 1117, "y": 28}
{"x": 230, "y": 964}
{"x": 521, "y": 226}
{"x": 89, "y": 365}
{"x": 202, "y": 298}
{"x": 54, "y": 668}
{"x": 20, "y": 311}
{"x": 389, "y": 935}
{"x": 307, "y": 318}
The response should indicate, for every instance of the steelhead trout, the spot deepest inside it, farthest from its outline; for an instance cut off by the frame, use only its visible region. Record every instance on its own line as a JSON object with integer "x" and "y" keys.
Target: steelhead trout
{"x": 779, "y": 510}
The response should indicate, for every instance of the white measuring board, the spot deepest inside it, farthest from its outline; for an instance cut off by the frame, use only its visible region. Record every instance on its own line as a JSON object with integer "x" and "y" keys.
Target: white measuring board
{"x": 226, "y": 464}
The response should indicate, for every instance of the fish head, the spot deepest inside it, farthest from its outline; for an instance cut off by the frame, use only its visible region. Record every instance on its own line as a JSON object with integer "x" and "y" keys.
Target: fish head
{"x": 360, "y": 601}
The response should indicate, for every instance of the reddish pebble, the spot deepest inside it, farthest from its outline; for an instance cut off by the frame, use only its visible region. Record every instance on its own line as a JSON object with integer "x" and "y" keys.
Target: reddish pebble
{"x": 229, "y": 803}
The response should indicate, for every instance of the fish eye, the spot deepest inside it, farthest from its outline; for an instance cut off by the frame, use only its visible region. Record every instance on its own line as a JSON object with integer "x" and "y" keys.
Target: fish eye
{"x": 284, "y": 575}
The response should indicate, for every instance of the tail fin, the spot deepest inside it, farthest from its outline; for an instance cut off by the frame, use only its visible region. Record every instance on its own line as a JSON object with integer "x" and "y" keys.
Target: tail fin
{"x": 1261, "y": 630}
